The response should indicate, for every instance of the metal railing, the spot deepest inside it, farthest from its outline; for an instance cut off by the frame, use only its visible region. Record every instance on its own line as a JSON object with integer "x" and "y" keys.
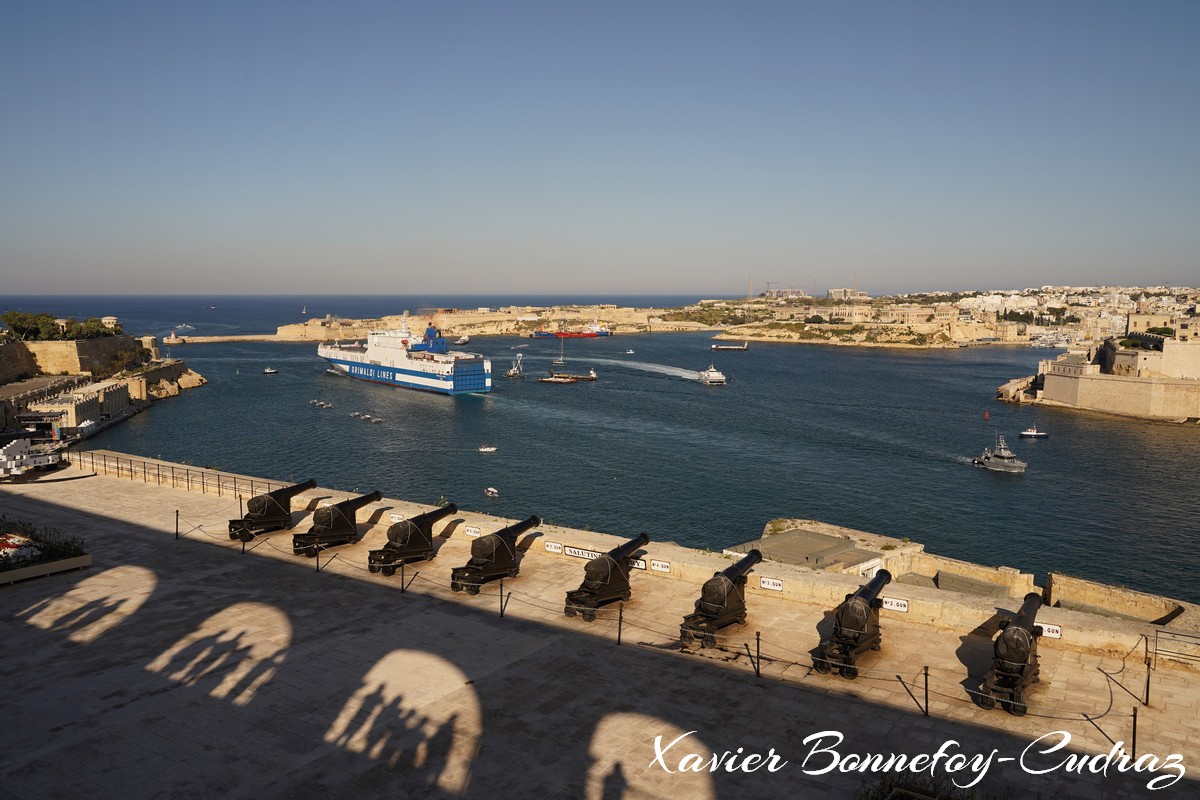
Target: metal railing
{"x": 194, "y": 479}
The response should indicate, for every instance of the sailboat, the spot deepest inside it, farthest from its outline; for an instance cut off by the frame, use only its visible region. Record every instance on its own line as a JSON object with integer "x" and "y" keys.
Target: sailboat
{"x": 560, "y": 361}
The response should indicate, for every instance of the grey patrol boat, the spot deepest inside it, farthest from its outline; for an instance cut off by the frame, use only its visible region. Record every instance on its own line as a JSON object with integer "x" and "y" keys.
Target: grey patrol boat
{"x": 1001, "y": 459}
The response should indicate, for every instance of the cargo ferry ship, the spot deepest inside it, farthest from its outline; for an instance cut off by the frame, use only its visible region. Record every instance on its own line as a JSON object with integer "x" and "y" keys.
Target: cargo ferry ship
{"x": 396, "y": 358}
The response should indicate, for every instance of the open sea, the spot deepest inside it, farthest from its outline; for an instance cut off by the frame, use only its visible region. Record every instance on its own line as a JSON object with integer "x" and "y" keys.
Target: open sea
{"x": 875, "y": 439}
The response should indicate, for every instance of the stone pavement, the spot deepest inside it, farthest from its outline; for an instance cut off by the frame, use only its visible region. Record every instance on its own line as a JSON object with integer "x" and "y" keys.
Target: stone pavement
{"x": 185, "y": 668}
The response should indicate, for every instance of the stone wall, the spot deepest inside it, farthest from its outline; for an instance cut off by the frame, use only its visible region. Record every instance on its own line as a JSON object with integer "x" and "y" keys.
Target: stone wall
{"x": 16, "y": 362}
{"x": 1152, "y": 398}
{"x": 1007, "y": 580}
{"x": 1076, "y": 593}
{"x": 85, "y": 355}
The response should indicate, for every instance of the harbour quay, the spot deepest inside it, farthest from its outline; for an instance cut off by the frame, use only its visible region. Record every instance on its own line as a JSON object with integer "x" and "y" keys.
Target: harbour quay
{"x": 186, "y": 663}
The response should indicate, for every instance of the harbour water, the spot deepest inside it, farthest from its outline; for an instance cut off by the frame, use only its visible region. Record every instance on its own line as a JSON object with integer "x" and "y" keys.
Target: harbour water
{"x": 879, "y": 440}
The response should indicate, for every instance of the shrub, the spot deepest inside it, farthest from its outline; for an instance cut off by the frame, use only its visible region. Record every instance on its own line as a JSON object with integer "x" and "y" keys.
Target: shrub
{"x": 53, "y": 544}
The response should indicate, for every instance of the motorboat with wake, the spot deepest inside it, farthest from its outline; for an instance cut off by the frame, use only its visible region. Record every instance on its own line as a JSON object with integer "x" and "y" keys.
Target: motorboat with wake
{"x": 1033, "y": 433}
{"x": 1001, "y": 459}
{"x": 711, "y": 376}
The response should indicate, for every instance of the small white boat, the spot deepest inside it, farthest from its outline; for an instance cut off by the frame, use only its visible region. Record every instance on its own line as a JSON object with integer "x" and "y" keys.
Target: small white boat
{"x": 629, "y": 352}
{"x": 487, "y": 448}
{"x": 1033, "y": 433}
{"x": 270, "y": 371}
{"x": 492, "y": 491}
{"x": 464, "y": 339}
{"x": 712, "y": 376}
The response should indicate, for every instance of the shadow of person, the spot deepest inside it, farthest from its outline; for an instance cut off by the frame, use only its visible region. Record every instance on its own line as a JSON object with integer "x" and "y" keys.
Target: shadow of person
{"x": 88, "y": 613}
{"x": 614, "y": 785}
{"x": 360, "y": 722}
{"x": 437, "y": 749}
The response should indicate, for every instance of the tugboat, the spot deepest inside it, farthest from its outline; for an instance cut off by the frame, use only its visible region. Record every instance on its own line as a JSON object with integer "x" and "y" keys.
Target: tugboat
{"x": 515, "y": 370}
{"x": 1001, "y": 459}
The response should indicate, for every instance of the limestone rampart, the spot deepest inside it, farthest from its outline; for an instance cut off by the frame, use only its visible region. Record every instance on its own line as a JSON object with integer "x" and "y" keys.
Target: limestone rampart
{"x": 1077, "y": 593}
{"x": 83, "y": 355}
{"x": 950, "y": 611}
{"x": 16, "y": 362}
{"x": 1153, "y": 398}
{"x": 1012, "y": 582}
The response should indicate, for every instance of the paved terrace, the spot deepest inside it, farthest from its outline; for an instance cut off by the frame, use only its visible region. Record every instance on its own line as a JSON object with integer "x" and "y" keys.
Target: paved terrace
{"x": 187, "y": 668}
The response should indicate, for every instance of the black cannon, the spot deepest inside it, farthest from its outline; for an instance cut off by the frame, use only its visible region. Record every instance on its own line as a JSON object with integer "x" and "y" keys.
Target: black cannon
{"x": 408, "y": 540}
{"x": 492, "y": 556}
{"x": 605, "y": 579}
{"x": 332, "y": 525}
{"x": 268, "y": 512}
{"x": 722, "y": 602}
{"x": 856, "y": 628}
{"x": 1015, "y": 660}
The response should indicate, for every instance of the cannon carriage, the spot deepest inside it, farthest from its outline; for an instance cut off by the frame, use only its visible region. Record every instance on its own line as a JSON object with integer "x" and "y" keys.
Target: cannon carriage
{"x": 1015, "y": 660}
{"x": 605, "y": 579}
{"x": 408, "y": 540}
{"x": 271, "y": 511}
{"x": 856, "y": 628}
{"x": 492, "y": 556}
{"x": 722, "y": 602}
{"x": 332, "y": 525}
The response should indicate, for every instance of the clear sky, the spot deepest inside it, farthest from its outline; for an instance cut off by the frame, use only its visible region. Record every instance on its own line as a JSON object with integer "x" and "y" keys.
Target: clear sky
{"x": 656, "y": 146}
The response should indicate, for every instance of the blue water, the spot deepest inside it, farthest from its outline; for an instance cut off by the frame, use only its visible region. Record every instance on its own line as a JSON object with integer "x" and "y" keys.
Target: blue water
{"x": 879, "y": 440}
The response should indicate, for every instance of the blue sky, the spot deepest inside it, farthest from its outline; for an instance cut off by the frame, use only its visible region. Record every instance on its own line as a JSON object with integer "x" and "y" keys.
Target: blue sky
{"x": 597, "y": 147}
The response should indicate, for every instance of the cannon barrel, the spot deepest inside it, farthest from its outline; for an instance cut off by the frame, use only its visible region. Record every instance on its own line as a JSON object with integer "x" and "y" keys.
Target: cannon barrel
{"x": 1028, "y": 614}
{"x": 402, "y": 530}
{"x": 485, "y": 546}
{"x": 871, "y": 590}
{"x": 741, "y": 567}
{"x": 629, "y": 548}
{"x": 327, "y": 516}
{"x": 278, "y": 498}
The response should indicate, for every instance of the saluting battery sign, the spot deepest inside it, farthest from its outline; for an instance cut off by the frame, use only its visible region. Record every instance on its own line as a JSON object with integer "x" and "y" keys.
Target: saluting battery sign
{"x": 578, "y": 552}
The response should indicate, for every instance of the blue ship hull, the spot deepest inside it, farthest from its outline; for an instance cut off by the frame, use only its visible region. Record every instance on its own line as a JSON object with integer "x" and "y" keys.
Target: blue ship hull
{"x": 467, "y": 378}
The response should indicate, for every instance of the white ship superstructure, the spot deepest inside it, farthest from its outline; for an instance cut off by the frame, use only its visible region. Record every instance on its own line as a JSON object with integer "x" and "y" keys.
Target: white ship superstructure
{"x": 396, "y": 358}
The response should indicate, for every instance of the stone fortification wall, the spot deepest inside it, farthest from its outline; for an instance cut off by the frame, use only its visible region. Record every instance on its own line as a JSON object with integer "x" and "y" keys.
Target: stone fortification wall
{"x": 1152, "y": 398}
{"x": 1011, "y": 581}
{"x": 952, "y": 612}
{"x": 85, "y": 355}
{"x": 1076, "y": 593}
{"x": 16, "y": 362}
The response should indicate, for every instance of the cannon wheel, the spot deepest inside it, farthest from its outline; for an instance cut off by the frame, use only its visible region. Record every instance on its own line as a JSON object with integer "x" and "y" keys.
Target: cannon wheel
{"x": 849, "y": 671}
{"x": 371, "y": 568}
{"x": 987, "y": 701}
{"x": 389, "y": 570}
{"x": 708, "y": 641}
{"x": 588, "y": 614}
{"x": 821, "y": 665}
{"x": 234, "y": 534}
{"x": 472, "y": 588}
{"x": 1014, "y": 707}
{"x": 569, "y": 610}
{"x": 455, "y": 586}
{"x": 246, "y": 536}
{"x": 685, "y": 637}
